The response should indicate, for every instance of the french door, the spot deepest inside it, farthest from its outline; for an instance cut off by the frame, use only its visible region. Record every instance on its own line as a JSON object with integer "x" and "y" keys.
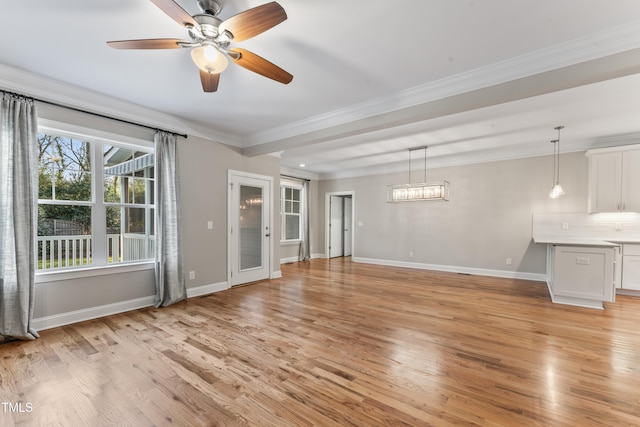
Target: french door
{"x": 249, "y": 227}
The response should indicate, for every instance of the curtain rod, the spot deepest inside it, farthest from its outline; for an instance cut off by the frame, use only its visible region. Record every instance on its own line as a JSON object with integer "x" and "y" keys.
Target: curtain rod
{"x": 79, "y": 110}
{"x": 295, "y": 177}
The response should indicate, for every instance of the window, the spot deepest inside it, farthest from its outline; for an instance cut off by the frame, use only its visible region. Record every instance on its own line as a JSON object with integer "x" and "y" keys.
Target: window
{"x": 291, "y": 212}
{"x": 95, "y": 202}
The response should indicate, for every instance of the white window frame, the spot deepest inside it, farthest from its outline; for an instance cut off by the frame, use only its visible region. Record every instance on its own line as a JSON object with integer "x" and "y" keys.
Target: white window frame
{"x": 99, "y": 264}
{"x": 284, "y": 184}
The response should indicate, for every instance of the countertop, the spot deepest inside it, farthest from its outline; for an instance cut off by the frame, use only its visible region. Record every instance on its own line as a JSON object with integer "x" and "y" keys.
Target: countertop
{"x": 577, "y": 241}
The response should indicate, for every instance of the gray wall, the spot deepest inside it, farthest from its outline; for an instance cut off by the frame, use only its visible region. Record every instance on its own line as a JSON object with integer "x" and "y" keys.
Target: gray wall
{"x": 203, "y": 180}
{"x": 203, "y": 166}
{"x": 487, "y": 219}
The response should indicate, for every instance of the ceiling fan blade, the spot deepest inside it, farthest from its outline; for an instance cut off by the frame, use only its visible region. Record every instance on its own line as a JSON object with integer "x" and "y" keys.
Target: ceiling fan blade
{"x": 175, "y": 12}
{"x": 209, "y": 81}
{"x": 254, "y": 21}
{"x": 259, "y": 65}
{"x": 146, "y": 44}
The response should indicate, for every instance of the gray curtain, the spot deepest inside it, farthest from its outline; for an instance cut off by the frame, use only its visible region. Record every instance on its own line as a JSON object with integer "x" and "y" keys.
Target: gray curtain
{"x": 170, "y": 284}
{"x": 18, "y": 215}
{"x": 305, "y": 252}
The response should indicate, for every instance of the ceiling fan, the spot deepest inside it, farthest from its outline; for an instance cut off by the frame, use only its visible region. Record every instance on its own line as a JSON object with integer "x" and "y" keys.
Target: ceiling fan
{"x": 211, "y": 37}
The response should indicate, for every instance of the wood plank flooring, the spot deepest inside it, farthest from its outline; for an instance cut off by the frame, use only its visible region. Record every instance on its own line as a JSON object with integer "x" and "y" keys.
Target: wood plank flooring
{"x": 337, "y": 343}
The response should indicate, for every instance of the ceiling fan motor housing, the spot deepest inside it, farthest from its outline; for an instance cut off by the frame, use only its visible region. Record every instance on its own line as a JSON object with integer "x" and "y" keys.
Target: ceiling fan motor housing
{"x": 210, "y": 7}
{"x": 208, "y": 25}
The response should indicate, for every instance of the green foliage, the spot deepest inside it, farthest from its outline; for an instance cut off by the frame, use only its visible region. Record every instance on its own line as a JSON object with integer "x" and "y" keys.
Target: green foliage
{"x": 64, "y": 174}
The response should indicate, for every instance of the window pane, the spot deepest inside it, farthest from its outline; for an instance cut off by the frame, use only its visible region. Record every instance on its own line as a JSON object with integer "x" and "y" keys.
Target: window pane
{"x": 287, "y": 206}
{"x": 64, "y": 171}
{"x": 296, "y": 194}
{"x": 130, "y": 234}
{"x": 64, "y": 236}
{"x": 288, "y": 193}
{"x": 292, "y": 227}
{"x": 295, "y": 207}
{"x": 128, "y": 175}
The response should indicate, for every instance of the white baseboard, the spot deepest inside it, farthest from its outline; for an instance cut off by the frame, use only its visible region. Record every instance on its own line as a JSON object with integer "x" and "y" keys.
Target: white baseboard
{"x": 90, "y": 313}
{"x": 76, "y": 316}
{"x": 628, "y": 292}
{"x": 207, "y": 289}
{"x": 455, "y": 269}
{"x": 276, "y": 274}
{"x": 577, "y": 302}
{"x": 296, "y": 259}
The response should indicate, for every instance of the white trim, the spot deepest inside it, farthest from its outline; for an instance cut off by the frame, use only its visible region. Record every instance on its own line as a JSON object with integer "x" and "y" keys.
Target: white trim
{"x": 45, "y": 276}
{"x": 455, "y": 269}
{"x": 591, "y": 47}
{"x": 91, "y": 134}
{"x": 207, "y": 289}
{"x": 76, "y": 316}
{"x": 327, "y": 218}
{"x": 314, "y": 256}
{"x": 577, "y": 302}
{"x": 289, "y": 260}
{"x": 628, "y": 292}
{"x": 276, "y": 274}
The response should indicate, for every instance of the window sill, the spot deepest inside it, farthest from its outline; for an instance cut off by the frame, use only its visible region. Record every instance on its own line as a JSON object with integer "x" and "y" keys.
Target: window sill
{"x": 56, "y": 276}
{"x": 290, "y": 242}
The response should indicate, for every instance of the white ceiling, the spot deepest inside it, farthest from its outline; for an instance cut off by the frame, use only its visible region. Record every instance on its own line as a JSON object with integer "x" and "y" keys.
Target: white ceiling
{"x": 475, "y": 80}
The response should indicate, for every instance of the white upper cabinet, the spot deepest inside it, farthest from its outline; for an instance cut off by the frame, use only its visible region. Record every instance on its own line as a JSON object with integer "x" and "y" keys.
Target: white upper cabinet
{"x": 614, "y": 179}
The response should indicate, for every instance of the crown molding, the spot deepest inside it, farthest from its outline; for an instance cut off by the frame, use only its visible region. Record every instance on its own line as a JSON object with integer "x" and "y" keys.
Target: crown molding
{"x": 594, "y": 46}
{"x": 37, "y": 86}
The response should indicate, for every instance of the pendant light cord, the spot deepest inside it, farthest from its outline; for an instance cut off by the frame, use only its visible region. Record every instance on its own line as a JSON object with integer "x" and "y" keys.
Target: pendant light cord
{"x": 425, "y": 161}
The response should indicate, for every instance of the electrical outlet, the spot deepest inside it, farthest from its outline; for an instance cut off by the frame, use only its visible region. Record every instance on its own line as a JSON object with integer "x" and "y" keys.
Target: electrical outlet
{"x": 509, "y": 261}
{"x": 210, "y": 225}
{"x": 411, "y": 254}
{"x": 618, "y": 226}
{"x": 565, "y": 225}
{"x": 192, "y": 275}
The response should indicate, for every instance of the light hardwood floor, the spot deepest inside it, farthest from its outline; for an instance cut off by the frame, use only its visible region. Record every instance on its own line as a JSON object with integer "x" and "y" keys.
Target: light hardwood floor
{"x": 338, "y": 343}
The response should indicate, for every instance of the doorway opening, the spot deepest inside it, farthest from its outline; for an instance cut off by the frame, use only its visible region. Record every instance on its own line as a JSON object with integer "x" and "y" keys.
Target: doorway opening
{"x": 339, "y": 229}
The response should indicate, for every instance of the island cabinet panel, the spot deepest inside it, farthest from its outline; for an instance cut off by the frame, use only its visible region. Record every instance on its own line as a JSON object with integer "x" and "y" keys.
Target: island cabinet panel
{"x": 584, "y": 272}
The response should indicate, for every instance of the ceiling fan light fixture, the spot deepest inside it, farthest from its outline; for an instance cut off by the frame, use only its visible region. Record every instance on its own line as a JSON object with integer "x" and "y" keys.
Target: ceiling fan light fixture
{"x": 209, "y": 59}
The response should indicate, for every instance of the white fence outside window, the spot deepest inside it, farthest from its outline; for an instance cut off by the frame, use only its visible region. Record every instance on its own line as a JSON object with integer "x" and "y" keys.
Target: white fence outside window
{"x": 55, "y": 252}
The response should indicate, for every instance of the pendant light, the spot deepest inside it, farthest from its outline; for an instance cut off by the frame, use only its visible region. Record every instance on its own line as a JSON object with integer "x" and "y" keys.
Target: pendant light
{"x": 434, "y": 190}
{"x": 556, "y": 190}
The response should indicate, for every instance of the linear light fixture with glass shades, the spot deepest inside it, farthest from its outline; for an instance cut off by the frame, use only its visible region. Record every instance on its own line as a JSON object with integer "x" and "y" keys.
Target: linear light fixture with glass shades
{"x": 418, "y": 192}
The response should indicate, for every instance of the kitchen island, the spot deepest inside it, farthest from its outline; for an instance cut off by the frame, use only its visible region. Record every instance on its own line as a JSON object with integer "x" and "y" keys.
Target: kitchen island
{"x": 582, "y": 271}
{"x": 590, "y": 257}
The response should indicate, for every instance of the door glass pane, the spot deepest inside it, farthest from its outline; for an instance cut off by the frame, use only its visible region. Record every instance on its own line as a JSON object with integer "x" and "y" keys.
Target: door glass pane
{"x": 251, "y": 227}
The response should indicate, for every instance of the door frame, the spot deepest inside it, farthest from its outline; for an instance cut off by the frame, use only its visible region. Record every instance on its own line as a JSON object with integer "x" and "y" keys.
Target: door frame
{"x": 327, "y": 218}
{"x": 230, "y": 220}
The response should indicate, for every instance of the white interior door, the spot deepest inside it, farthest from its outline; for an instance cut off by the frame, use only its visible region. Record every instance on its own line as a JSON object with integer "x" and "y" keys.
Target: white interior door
{"x": 336, "y": 213}
{"x": 346, "y": 226}
{"x": 249, "y": 228}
